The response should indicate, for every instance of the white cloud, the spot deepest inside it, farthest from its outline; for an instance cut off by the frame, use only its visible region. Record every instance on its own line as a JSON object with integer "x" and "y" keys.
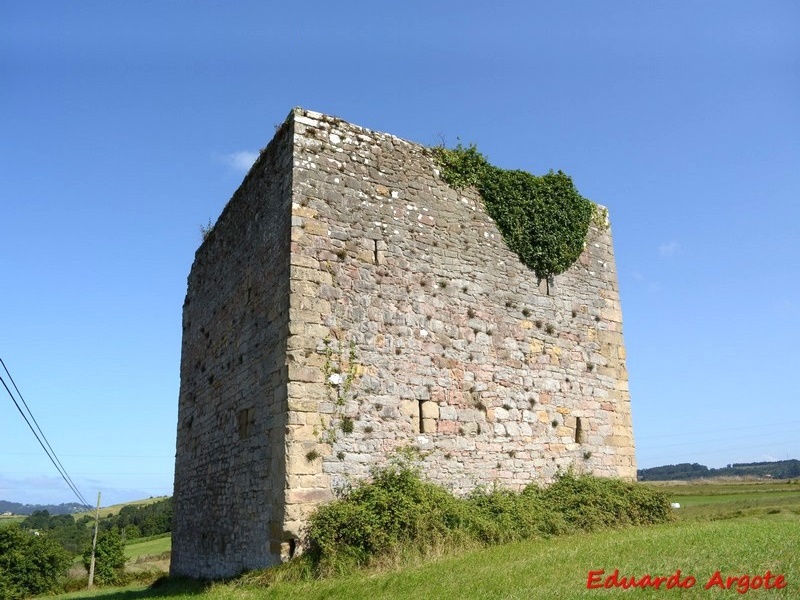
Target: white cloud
{"x": 669, "y": 249}
{"x": 240, "y": 161}
{"x": 651, "y": 286}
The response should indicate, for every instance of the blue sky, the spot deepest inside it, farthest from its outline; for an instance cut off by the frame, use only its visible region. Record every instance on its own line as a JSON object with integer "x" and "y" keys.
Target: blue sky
{"x": 127, "y": 125}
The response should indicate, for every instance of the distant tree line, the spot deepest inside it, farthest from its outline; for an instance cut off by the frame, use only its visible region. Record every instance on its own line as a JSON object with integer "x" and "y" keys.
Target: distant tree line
{"x": 141, "y": 521}
{"x": 781, "y": 469}
{"x": 54, "y": 509}
{"x": 132, "y": 521}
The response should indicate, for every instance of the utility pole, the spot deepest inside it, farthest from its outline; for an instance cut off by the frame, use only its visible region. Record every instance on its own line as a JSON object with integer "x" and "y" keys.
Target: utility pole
{"x": 94, "y": 541}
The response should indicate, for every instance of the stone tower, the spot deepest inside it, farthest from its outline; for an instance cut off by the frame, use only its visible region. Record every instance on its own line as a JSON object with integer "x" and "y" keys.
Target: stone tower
{"x": 347, "y": 304}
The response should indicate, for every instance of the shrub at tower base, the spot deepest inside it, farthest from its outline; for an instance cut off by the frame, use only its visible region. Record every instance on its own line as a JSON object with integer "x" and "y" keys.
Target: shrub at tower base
{"x": 397, "y": 510}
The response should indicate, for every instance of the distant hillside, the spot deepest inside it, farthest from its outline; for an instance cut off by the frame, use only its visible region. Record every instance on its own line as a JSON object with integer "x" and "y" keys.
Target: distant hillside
{"x": 114, "y": 509}
{"x": 28, "y": 509}
{"x": 780, "y": 469}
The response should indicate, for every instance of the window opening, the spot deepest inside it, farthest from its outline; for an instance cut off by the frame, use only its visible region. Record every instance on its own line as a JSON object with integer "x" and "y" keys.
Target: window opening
{"x": 578, "y": 431}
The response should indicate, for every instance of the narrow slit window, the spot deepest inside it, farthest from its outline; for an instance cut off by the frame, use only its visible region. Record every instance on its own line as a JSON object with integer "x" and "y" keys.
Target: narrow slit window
{"x": 579, "y": 437}
{"x": 421, "y": 421}
{"x": 246, "y": 422}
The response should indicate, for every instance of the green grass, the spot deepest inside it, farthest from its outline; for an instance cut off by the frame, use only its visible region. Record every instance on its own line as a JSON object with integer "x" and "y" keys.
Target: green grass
{"x": 7, "y": 520}
{"x": 555, "y": 568}
{"x": 153, "y": 546}
{"x": 737, "y": 529}
{"x": 711, "y": 501}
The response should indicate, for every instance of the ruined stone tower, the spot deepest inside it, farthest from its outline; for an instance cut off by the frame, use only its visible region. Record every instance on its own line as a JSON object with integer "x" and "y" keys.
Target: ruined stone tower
{"x": 348, "y": 303}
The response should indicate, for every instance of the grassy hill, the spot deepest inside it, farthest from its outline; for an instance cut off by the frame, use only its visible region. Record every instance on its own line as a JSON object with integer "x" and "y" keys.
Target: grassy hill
{"x": 114, "y": 509}
{"x": 737, "y": 529}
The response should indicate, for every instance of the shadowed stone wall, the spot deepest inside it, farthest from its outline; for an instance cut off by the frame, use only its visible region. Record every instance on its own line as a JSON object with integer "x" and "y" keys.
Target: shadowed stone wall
{"x": 229, "y": 467}
{"x": 355, "y": 304}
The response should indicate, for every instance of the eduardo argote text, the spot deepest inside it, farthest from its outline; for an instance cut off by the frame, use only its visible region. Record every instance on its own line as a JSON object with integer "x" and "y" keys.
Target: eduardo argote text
{"x": 597, "y": 580}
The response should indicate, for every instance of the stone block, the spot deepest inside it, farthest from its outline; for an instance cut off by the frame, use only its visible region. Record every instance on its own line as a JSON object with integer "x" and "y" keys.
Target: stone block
{"x": 430, "y": 410}
{"x": 448, "y": 413}
{"x": 409, "y": 408}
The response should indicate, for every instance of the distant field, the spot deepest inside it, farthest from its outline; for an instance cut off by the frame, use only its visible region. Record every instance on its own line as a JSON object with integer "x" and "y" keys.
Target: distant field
{"x": 150, "y": 547}
{"x": 151, "y": 554}
{"x": 739, "y": 529}
{"x": 12, "y": 519}
{"x": 712, "y": 500}
{"x": 115, "y": 508}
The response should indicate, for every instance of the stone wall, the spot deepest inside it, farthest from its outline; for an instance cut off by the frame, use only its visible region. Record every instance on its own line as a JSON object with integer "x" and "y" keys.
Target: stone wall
{"x": 402, "y": 320}
{"x": 229, "y": 468}
{"x": 459, "y": 350}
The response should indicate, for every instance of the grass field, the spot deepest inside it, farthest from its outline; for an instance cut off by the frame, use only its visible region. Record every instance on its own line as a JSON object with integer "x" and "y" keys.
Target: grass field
{"x": 737, "y": 529}
{"x": 114, "y": 509}
{"x": 153, "y": 546}
{"x": 725, "y": 500}
{"x": 7, "y": 520}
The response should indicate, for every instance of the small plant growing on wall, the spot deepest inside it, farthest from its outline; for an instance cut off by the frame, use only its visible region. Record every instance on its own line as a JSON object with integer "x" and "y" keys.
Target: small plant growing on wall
{"x": 339, "y": 369}
{"x": 205, "y": 230}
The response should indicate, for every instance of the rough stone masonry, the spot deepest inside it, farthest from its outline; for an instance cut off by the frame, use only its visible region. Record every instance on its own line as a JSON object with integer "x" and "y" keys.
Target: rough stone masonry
{"x": 348, "y": 304}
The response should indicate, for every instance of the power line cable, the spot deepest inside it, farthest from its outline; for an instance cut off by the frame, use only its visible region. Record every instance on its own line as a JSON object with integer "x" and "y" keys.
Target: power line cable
{"x": 44, "y": 437}
{"x": 48, "y": 449}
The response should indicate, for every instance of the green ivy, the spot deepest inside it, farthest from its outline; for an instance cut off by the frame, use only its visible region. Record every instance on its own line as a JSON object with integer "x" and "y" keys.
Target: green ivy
{"x": 544, "y": 220}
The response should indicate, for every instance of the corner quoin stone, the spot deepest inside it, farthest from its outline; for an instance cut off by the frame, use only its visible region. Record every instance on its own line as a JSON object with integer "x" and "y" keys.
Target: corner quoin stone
{"x": 348, "y": 304}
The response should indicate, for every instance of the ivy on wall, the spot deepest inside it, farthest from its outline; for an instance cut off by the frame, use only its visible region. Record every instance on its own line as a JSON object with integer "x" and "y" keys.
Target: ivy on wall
{"x": 543, "y": 219}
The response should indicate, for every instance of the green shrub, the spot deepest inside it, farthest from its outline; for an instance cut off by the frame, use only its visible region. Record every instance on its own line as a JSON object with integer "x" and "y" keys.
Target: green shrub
{"x": 397, "y": 509}
{"x": 396, "y": 506}
{"x": 29, "y": 564}
{"x": 589, "y": 503}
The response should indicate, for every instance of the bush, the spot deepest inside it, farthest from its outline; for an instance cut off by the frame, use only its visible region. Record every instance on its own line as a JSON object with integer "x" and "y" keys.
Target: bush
{"x": 29, "y": 564}
{"x": 396, "y": 506}
{"x": 589, "y": 503}
{"x": 398, "y": 509}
